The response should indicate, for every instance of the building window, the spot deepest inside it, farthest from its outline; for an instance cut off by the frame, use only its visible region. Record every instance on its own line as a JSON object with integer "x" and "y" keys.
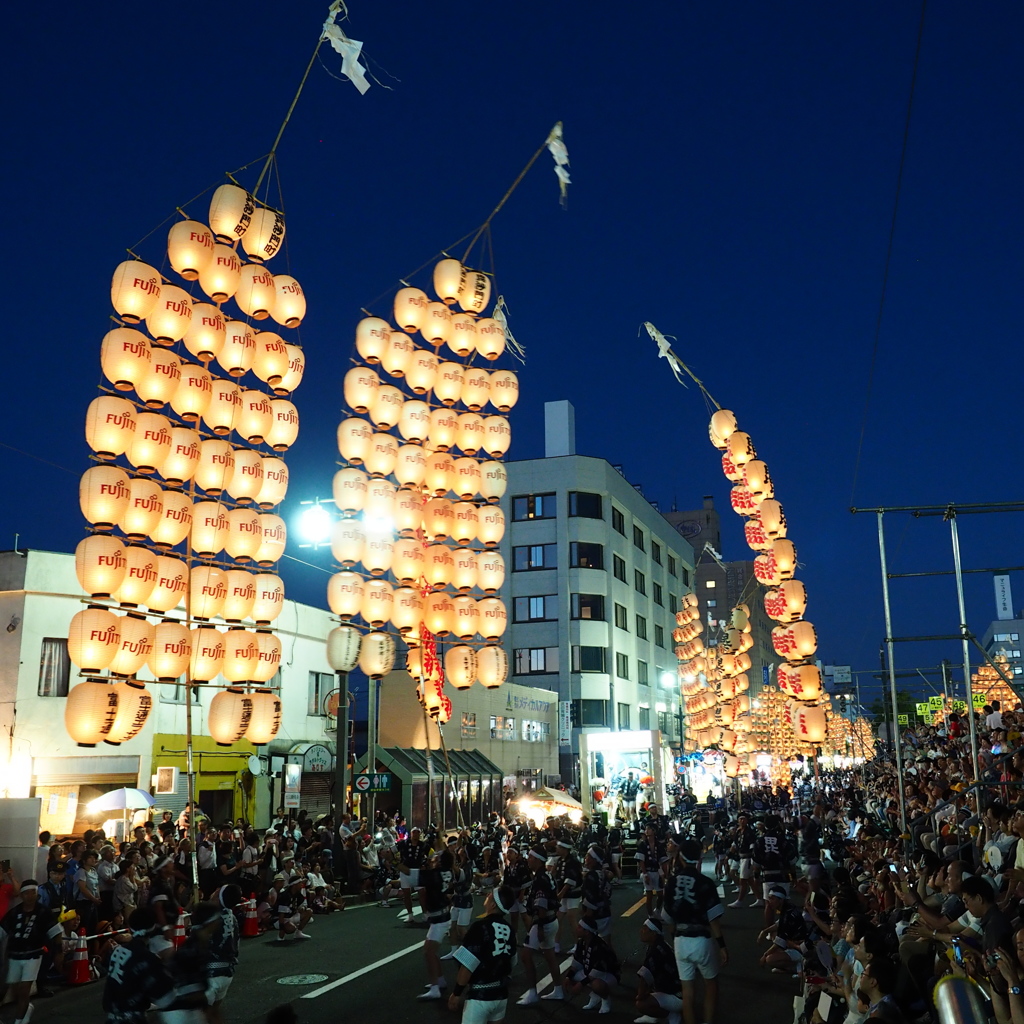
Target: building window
{"x": 619, "y": 568}
{"x": 586, "y": 556}
{"x": 642, "y": 674}
{"x": 531, "y": 661}
{"x": 686, "y": 577}
{"x": 588, "y": 659}
{"x": 503, "y": 728}
{"x": 641, "y": 627}
{"x": 585, "y": 505}
{"x": 543, "y": 608}
{"x": 468, "y": 725}
{"x": 638, "y": 538}
{"x": 639, "y": 582}
{"x": 623, "y": 716}
{"x": 673, "y": 566}
{"x": 621, "y": 617}
{"x": 710, "y": 584}
{"x": 320, "y": 684}
{"x": 534, "y": 556}
{"x": 659, "y": 597}
{"x": 711, "y": 602}
{"x": 656, "y": 551}
{"x": 621, "y": 665}
{"x": 1012, "y": 654}
{"x": 643, "y": 718}
{"x": 659, "y": 636}
{"x": 588, "y": 606}
{"x": 588, "y": 712}
{"x": 54, "y": 667}
{"x": 533, "y": 506}
{"x": 673, "y": 602}
{"x": 618, "y": 521}
{"x": 535, "y": 732}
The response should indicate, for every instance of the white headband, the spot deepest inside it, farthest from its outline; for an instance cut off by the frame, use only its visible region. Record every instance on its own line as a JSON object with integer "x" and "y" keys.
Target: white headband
{"x": 497, "y": 901}
{"x": 28, "y": 887}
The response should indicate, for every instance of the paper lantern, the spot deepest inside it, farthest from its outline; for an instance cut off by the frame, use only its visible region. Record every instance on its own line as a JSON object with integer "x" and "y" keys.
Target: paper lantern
{"x": 275, "y": 483}
{"x": 438, "y": 519}
{"x": 158, "y": 385}
{"x": 193, "y": 394}
{"x": 182, "y": 459}
{"x": 284, "y": 427}
{"x": 466, "y": 618}
{"x": 134, "y": 290}
{"x": 171, "y": 315}
{"x": 795, "y": 641}
{"x": 773, "y": 519}
{"x": 407, "y": 611}
{"x": 378, "y": 602}
{"x": 144, "y": 510}
{"x": 464, "y": 571}
{"x": 408, "y": 513}
{"x": 493, "y": 481}
{"x": 397, "y": 353}
{"x": 491, "y": 526}
{"x": 800, "y": 681}
{"x": 172, "y": 650}
{"x": 216, "y": 466}
{"x": 410, "y": 466}
{"x": 408, "y": 561}
{"x": 436, "y": 324}
{"x": 229, "y": 715}
{"x": 221, "y": 277}
{"x": 497, "y": 437}
{"x": 421, "y": 374}
{"x": 100, "y": 564}
{"x": 347, "y": 539}
{"x": 386, "y": 409}
{"x": 740, "y": 618}
{"x": 247, "y": 479}
{"x": 440, "y": 468}
{"x": 275, "y": 536}
{"x": 207, "y": 591}
{"x": 722, "y": 427}
{"x": 784, "y": 552}
{"x": 758, "y": 480}
{"x": 809, "y": 724}
{"x": 349, "y": 490}
{"x": 474, "y": 291}
{"x": 381, "y": 455}
{"x": 360, "y": 388}
{"x": 189, "y": 248}
{"x": 239, "y": 595}
{"x": 377, "y": 654}
{"x": 372, "y": 338}
{"x": 447, "y": 279}
{"x": 207, "y": 653}
{"x": 109, "y": 425}
{"x": 262, "y": 239}
{"x": 466, "y": 522}
{"x": 741, "y": 448}
{"x": 244, "y": 534}
{"x": 377, "y": 553}
{"x": 205, "y": 335}
{"x": 490, "y": 338}
{"x": 241, "y": 655}
{"x": 210, "y": 526}
{"x": 125, "y": 356}
{"x": 753, "y": 532}
{"x": 462, "y": 335}
{"x": 345, "y": 594}
{"x": 296, "y": 368}
{"x": 289, "y": 307}
{"x": 491, "y": 666}
{"x": 460, "y": 666}
{"x": 788, "y": 603}
{"x": 150, "y": 443}
{"x": 265, "y": 717}
{"x": 94, "y": 637}
{"x": 490, "y": 571}
{"x": 733, "y": 473}
{"x": 742, "y": 501}
{"x": 135, "y": 646}
{"x": 476, "y": 388}
{"x": 343, "y": 648}
{"x": 414, "y": 420}
{"x": 444, "y": 426}
{"x": 134, "y": 703}
{"x": 255, "y": 418}
{"x": 238, "y": 352}
{"x": 231, "y": 210}
{"x": 494, "y": 619}
{"x": 354, "y": 437}
{"x": 439, "y": 613}
{"x": 465, "y": 478}
{"x": 171, "y": 584}
{"x": 448, "y": 383}
{"x": 471, "y": 434}
{"x": 504, "y": 390}
{"x": 90, "y": 712}
{"x": 440, "y": 565}
{"x": 270, "y": 357}
{"x": 255, "y": 295}
{"x": 269, "y": 661}
{"x": 269, "y": 598}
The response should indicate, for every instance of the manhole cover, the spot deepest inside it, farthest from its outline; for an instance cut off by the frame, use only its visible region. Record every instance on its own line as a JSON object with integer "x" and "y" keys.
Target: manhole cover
{"x": 302, "y": 979}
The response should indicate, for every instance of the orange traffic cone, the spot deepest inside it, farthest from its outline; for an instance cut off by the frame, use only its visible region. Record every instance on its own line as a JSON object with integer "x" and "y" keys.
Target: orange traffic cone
{"x": 78, "y": 966}
{"x": 178, "y": 932}
{"x": 250, "y": 925}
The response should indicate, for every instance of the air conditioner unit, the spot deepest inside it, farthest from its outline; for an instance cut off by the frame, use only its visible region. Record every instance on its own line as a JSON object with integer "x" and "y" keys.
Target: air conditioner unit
{"x": 166, "y": 781}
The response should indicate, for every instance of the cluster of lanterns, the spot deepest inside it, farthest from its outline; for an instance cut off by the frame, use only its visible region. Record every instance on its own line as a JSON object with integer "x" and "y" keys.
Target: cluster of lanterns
{"x": 420, "y": 482}
{"x": 990, "y": 684}
{"x": 187, "y": 473}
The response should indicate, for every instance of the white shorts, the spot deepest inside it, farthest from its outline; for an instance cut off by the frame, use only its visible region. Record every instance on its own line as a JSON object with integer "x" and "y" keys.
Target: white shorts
{"x": 483, "y": 1011}
{"x": 746, "y": 868}
{"x": 438, "y": 931}
{"x": 462, "y": 917}
{"x": 516, "y": 908}
{"x": 605, "y": 976}
{"x": 667, "y": 1001}
{"x": 542, "y": 936}
{"x": 773, "y": 885}
{"x": 22, "y": 970}
{"x": 616, "y": 857}
{"x": 570, "y": 903}
{"x": 409, "y": 878}
{"x": 652, "y": 881}
{"x": 696, "y": 954}
{"x": 217, "y": 988}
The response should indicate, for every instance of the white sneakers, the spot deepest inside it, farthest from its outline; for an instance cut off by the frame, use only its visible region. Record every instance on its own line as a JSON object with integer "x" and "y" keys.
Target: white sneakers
{"x": 528, "y": 998}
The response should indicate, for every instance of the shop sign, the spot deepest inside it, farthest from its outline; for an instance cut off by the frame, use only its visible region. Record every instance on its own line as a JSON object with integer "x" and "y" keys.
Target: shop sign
{"x": 317, "y": 758}
{"x": 565, "y": 723}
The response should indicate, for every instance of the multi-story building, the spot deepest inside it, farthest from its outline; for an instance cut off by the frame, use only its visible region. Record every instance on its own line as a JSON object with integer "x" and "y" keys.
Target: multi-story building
{"x": 595, "y": 575}
{"x": 1003, "y": 635}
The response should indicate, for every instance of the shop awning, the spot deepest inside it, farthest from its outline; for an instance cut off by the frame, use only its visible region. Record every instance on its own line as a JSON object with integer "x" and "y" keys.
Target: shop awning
{"x": 410, "y": 763}
{"x": 556, "y": 796}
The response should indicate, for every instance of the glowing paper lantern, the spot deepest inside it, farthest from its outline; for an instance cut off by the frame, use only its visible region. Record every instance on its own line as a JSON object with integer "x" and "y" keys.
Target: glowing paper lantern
{"x": 238, "y": 352}
{"x": 171, "y": 584}
{"x": 172, "y": 650}
{"x": 239, "y": 595}
{"x": 360, "y": 388}
{"x": 787, "y": 603}
{"x": 440, "y": 468}
{"x": 193, "y": 394}
{"x": 171, "y": 315}
{"x": 795, "y": 641}
{"x": 465, "y": 478}
{"x": 372, "y": 338}
{"x": 269, "y": 598}
{"x": 275, "y": 483}
{"x": 462, "y": 336}
{"x": 732, "y": 472}
{"x": 210, "y": 526}
{"x": 135, "y": 646}
{"x": 134, "y": 702}
{"x": 347, "y": 540}
{"x": 207, "y": 591}
{"x": 109, "y": 425}
{"x": 754, "y": 534}
{"x": 255, "y": 294}
{"x": 436, "y": 324}
{"x": 182, "y": 459}
{"x": 466, "y": 620}
{"x": 377, "y": 654}
{"x": 742, "y": 500}
{"x": 447, "y": 279}
{"x": 275, "y": 535}
{"x": 497, "y": 437}
{"x": 421, "y": 373}
{"x": 270, "y": 357}
{"x": 407, "y": 612}
{"x": 439, "y": 613}
{"x": 438, "y": 519}
{"x": 229, "y": 715}
{"x": 265, "y": 717}
{"x": 410, "y": 465}
{"x": 722, "y": 427}
{"x": 491, "y": 526}
{"x": 150, "y": 443}
{"x": 94, "y": 638}
{"x": 255, "y": 418}
{"x": 296, "y": 368}
{"x": 263, "y": 237}
{"x": 493, "y": 481}
{"x": 784, "y": 552}
{"x": 490, "y": 571}
{"x": 189, "y": 248}
{"x": 377, "y": 553}
{"x": 800, "y": 681}
{"x": 222, "y": 275}
{"x": 448, "y": 383}
{"x": 231, "y": 210}
{"x": 464, "y": 572}
{"x": 466, "y": 522}
{"x": 125, "y": 356}
{"x": 440, "y": 565}
{"x": 134, "y": 290}
{"x": 349, "y": 490}
{"x": 207, "y": 653}
{"x": 474, "y": 291}
{"x": 244, "y": 534}
{"x": 460, "y": 666}
{"x": 100, "y": 564}
{"x": 354, "y": 437}
{"x": 205, "y": 335}
{"x": 216, "y": 466}
{"x": 90, "y": 712}
{"x": 414, "y": 421}
{"x": 386, "y": 409}
{"x": 343, "y": 648}
{"x": 269, "y": 661}
{"x": 504, "y": 390}
{"x": 773, "y": 519}
{"x": 471, "y": 434}
{"x": 491, "y": 666}
{"x": 289, "y": 307}
{"x": 144, "y": 509}
{"x": 241, "y": 654}
{"x": 758, "y": 480}
{"x": 490, "y": 338}
{"x": 809, "y": 724}
{"x": 345, "y": 594}
{"x": 378, "y": 602}
{"x": 247, "y": 480}
{"x": 408, "y": 513}
{"x": 397, "y": 354}
{"x": 381, "y": 455}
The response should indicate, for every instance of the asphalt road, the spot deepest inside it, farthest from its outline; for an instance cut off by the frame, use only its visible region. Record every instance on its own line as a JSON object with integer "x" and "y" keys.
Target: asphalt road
{"x": 374, "y": 970}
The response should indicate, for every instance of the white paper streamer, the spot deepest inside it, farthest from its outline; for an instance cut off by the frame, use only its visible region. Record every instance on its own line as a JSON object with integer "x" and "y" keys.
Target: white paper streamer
{"x": 665, "y": 350}
{"x": 348, "y": 48}
{"x": 500, "y": 314}
{"x": 556, "y": 147}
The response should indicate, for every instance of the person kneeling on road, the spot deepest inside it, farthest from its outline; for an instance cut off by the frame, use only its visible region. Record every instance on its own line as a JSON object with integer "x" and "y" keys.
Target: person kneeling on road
{"x": 658, "y": 989}
{"x": 594, "y": 965}
{"x": 292, "y": 913}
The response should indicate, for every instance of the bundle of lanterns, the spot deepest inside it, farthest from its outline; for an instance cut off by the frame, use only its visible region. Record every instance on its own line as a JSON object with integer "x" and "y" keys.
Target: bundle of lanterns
{"x": 187, "y": 435}
{"x": 418, "y": 489}
{"x": 991, "y": 685}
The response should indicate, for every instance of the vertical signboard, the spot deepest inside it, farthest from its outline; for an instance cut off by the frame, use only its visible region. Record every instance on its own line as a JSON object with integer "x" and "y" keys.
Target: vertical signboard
{"x": 1004, "y": 599}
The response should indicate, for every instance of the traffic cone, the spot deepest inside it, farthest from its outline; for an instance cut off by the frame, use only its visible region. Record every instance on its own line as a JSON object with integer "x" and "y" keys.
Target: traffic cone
{"x": 250, "y": 925}
{"x": 178, "y": 932}
{"x": 78, "y": 967}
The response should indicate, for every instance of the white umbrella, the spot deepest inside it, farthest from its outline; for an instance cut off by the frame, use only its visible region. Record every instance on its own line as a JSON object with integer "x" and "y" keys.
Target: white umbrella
{"x": 122, "y": 800}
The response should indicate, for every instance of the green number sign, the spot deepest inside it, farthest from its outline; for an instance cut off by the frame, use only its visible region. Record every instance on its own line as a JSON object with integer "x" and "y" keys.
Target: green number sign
{"x": 903, "y": 719}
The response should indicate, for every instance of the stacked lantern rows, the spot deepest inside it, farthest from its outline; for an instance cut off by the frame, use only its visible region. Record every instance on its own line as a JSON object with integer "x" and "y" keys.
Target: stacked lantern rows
{"x": 421, "y": 480}
{"x": 200, "y": 469}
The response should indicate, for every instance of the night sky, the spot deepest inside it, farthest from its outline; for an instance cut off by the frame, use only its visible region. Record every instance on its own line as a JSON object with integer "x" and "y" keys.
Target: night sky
{"x": 734, "y": 169}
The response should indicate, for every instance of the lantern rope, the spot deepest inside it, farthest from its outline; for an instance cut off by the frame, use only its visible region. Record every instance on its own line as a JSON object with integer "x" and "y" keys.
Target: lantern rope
{"x": 676, "y": 364}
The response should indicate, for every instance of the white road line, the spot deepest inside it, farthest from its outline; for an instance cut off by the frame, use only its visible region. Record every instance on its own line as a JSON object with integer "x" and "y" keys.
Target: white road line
{"x": 563, "y": 967}
{"x": 362, "y": 970}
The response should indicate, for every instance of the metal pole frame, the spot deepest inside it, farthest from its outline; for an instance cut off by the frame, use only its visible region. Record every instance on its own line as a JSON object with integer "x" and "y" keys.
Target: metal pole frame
{"x": 966, "y": 641}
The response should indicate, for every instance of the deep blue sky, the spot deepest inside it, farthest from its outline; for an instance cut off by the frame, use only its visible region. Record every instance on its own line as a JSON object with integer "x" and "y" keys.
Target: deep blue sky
{"x": 733, "y": 168}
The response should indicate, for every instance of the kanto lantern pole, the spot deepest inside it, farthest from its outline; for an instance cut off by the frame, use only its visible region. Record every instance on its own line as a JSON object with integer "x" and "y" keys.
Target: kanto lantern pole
{"x": 965, "y": 637}
{"x": 892, "y": 675}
